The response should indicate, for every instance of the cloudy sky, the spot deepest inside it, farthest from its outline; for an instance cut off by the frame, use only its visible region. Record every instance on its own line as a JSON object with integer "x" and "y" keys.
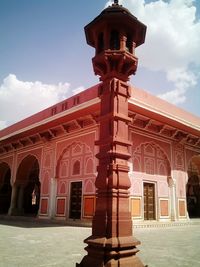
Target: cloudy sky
{"x": 44, "y": 57}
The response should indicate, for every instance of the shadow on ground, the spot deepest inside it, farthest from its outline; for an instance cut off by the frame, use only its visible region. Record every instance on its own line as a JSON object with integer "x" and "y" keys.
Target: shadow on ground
{"x": 34, "y": 222}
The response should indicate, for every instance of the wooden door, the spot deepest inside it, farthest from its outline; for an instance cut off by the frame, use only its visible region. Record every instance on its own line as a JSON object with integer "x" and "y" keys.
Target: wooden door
{"x": 75, "y": 200}
{"x": 149, "y": 201}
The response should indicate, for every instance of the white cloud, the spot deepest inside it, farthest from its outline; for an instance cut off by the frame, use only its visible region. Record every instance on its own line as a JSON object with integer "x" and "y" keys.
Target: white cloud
{"x": 3, "y": 124}
{"x": 183, "y": 81}
{"x": 19, "y": 99}
{"x": 172, "y": 42}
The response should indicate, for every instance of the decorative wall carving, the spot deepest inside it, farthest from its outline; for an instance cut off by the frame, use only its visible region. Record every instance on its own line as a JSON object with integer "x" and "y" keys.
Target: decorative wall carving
{"x": 150, "y": 159}
{"x": 75, "y": 162}
{"x": 178, "y": 156}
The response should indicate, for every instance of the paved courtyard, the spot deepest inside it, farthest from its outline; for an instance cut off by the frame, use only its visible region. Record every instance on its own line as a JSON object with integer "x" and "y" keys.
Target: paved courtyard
{"x": 28, "y": 244}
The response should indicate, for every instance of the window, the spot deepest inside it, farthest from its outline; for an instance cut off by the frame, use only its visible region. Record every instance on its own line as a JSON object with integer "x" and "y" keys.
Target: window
{"x": 129, "y": 44}
{"x": 53, "y": 111}
{"x": 114, "y": 40}
{"x": 76, "y": 100}
{"x": 100, "y": 43}
{"x": 64, "y": 106}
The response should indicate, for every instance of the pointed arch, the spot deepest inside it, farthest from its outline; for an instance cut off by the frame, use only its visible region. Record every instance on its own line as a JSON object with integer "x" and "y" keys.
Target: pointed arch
{"x": 89, "y": 187}
{"x": 89, "y": 166}
{"x": 193, "y": 187}
{"x": 28, "y": 169}
{"x": 64, "y": 168}
{"x": 155, "y": 159}
{"x": 28, "y": 185}
{"x": 77, "y": 149}
{"x": 162, "y": 170}
{"x": 149, "y": 149}
{"x": 62, "y": 188}
{"x": 137, "y": 164}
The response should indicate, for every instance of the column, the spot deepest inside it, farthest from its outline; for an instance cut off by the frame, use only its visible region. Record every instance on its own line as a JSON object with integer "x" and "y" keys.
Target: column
{"x": 112, "y": 242}
{"x": 52, "y": 198}
{"x": 13, "y": 202}
{"x": 20, "y": 201}
{"x": 171, "y": 182}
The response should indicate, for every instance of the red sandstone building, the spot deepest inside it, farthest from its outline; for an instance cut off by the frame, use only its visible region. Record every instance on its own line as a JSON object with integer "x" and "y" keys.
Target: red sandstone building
{"x": 48, "y": 163}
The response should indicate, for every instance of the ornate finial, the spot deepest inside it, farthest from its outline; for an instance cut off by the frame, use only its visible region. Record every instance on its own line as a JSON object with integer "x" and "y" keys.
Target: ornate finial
{"x": 116, "y": 2}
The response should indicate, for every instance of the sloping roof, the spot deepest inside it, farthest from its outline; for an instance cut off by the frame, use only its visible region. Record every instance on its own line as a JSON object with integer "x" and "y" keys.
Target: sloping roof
{"x": 163, "y": 109}
{"x": 141, "y": 101}
{"x": 52, "y": 113}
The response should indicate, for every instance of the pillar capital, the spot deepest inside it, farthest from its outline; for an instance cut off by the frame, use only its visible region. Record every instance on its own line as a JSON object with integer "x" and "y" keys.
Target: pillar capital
{"x": 171, "y": 181}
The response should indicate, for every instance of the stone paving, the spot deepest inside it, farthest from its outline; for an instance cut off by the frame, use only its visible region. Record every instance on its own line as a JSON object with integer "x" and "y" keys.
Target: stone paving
{"x": 28, "y": 244}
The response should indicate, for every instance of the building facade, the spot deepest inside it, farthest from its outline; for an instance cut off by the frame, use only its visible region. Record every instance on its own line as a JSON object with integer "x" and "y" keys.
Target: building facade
{"x": 48, "y": 162}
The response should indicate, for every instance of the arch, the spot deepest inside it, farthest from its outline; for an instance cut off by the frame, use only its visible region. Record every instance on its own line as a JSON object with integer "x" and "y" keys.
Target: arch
{"x": 89, "y": 166}
{"x": 5, "y": 187}
{"x": 64, "y": 169}
{"x": 89, "y": 187}
{"x": 153, "y": 152}
{"x": 136, "y": 164}
{"x": 30, "y": 156}
{"x": 62, "y": 188}
{"x": 193, "y": 187}
{"x": 28, "y": 186}
{"x": 28, "y": 169}
{"x": 162, "y": 170}
{"x": 160, "y": 152}
{"x": 149, "y": 166}
{"x": 149, "y": 149}
{"x": 77, "y": 149}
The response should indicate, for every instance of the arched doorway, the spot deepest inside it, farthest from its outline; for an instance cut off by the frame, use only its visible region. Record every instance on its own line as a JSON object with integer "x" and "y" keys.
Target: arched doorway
{"x": 150, "y": 183}
{"x": 193, "y": 188}
{"x": 5, "y": 188}
{"x": 28, "y": 187}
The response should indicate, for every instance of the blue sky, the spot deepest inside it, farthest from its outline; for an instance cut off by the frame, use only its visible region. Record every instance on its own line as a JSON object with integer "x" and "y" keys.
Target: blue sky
{"x": 44, "y": 56}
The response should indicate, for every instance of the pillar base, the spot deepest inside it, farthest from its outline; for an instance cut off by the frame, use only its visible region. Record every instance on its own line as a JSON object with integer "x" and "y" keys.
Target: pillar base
{"x": 112, "y": 252}
{"x": 15, "y": 212}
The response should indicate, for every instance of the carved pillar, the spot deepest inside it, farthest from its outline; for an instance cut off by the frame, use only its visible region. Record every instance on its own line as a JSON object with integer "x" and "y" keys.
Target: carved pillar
{"x": 112, "y": 243}
{"x": 112, "y": 224}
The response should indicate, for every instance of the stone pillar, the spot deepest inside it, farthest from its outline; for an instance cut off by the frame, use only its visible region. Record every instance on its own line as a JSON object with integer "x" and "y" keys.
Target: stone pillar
{"x": 186, "y": 181}
{"x": 13, "y": 203}
{"x": 172, "y": 187}
{"x": 20, "y": 200}
{"x": 112, "y": 242}
{"x": 52, "y": 198}
{"x": 123, "y": 40}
